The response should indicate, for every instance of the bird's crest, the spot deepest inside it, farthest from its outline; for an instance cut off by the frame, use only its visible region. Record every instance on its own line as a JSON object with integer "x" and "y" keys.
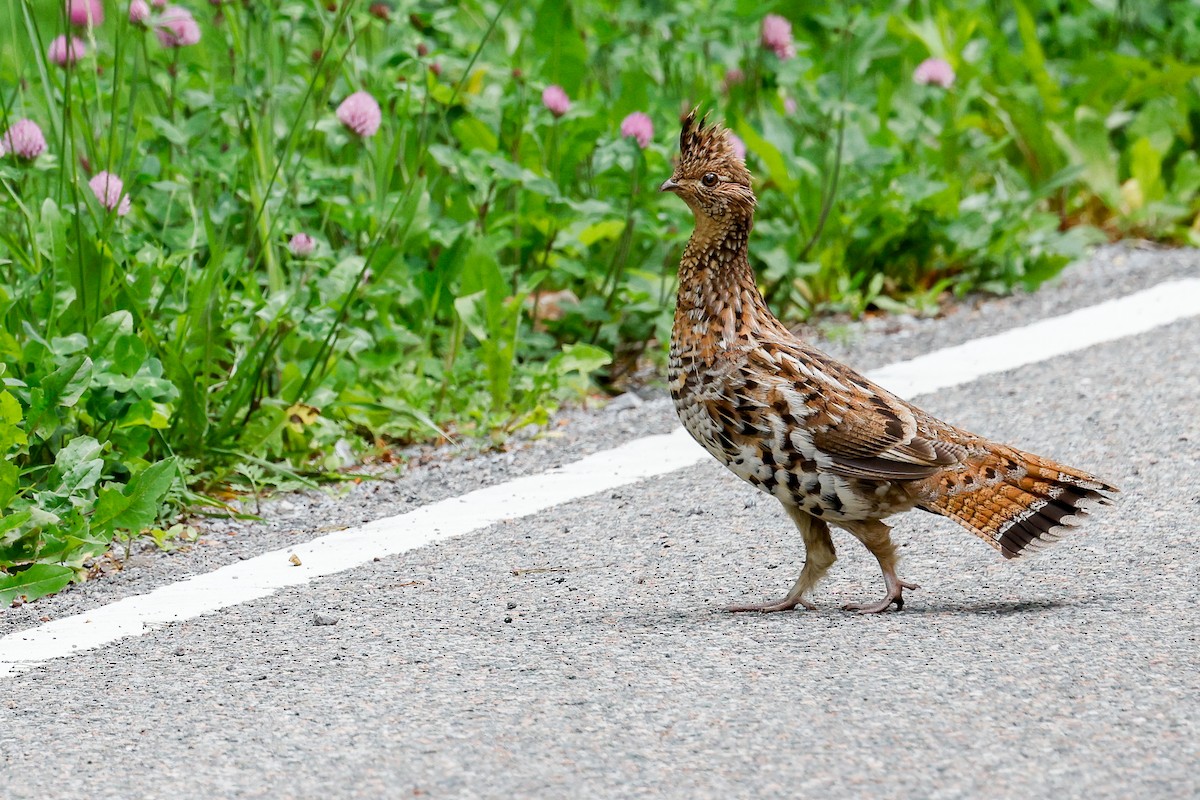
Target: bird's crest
{"x": 703, "y": 144}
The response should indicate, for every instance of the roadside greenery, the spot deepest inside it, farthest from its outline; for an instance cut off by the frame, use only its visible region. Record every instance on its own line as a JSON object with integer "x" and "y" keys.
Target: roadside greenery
{"x": 253, "y": 243}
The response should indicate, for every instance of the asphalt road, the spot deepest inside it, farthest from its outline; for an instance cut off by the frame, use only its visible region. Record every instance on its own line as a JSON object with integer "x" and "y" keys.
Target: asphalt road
{"x": 582, "y": 652}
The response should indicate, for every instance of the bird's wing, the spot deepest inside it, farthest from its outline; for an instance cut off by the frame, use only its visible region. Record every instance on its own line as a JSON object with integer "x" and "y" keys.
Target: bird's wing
{"x": 864, "y": 431}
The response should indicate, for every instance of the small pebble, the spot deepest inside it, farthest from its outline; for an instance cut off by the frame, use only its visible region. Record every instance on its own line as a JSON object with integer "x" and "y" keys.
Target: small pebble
{"x": 624, "y": 402}
{"x": 324, "y": 619}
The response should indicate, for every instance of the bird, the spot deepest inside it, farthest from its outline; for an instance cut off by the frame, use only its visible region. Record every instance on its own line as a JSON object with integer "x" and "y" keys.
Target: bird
{"x": 832, "y": 446}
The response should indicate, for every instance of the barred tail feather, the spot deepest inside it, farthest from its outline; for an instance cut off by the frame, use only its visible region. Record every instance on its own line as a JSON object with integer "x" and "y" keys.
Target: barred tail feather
{"x": 1018, "y": 502}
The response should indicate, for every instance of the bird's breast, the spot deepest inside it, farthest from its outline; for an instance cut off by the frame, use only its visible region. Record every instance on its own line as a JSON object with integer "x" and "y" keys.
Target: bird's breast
{"x": 760, "y": 433}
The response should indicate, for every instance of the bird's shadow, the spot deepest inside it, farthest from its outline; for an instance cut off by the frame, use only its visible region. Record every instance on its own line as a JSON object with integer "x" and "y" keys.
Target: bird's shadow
{"x": 993, "y": 608}
{"x": 684, "y": 617}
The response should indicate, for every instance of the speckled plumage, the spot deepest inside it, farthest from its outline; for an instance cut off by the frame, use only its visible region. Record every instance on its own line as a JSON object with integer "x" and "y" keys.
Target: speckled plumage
{"x": 829, "y": 444}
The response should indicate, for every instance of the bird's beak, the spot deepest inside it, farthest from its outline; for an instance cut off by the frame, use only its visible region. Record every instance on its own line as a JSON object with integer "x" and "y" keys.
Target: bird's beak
{"x": 668, "y": 186}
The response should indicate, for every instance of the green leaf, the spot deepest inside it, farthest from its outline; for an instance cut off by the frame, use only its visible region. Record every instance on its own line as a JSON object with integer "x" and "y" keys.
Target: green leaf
{"x": 490, "y": 311}
{"x": 137, "y": 507}
{"x": 582, "y": 358}
{"x": 1090, "y": 146}
{"x": 171, "y": 132}
{"x": 472, "y": 309}
{"x": 116, "y": 324}
{"x": 558, "y": 46}
{"x": 473, "y": 134}
{"x": 1186, "y": 182}
{"x": 10, "y": 522}
{"x": 1158, "y": 121}
{"x": 37, "y": 581}
{"x": 771, "y": 157}
{"x": 77, "y": 467}
{"x": 52, "y": 232}
{"x": 1145, "y": 164}
{"x": 62, "y": 387}
{"x": 1034, "y": 59}
{"x": 608, "y": 229}
{"x": 110, "y": 505}
{"x": 9, "y": 475}
{"x": 10, "y": 418}
{"x": 66, "y": 384}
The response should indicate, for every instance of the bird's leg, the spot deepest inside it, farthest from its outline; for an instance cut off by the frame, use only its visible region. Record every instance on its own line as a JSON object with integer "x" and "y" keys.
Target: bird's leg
{"x": 878, "y": 539}
{"x": 819, "y": 556}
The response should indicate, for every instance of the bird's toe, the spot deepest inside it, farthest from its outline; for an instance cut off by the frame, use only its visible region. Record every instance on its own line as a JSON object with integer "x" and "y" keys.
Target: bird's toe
{"x": 786, "y": 604}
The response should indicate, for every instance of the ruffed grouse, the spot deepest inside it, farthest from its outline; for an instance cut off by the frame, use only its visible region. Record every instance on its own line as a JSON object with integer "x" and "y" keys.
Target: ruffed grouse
{"x": 833, "y": 447}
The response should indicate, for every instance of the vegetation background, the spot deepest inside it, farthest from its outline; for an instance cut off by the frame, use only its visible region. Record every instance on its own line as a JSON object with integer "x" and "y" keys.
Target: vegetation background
{"x": 286, "y": 283}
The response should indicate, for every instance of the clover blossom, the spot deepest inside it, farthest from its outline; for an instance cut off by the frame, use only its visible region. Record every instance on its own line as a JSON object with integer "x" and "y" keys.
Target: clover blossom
{"x": 24, "y": 139}
{"x": 934, "y": 71}
{"x": 555, "y": 99}
{"x": 360, "y": 113}
{"x": 638, "y": 126}
{"x": 777, "y": 36}
{"x": 109, "y": 189}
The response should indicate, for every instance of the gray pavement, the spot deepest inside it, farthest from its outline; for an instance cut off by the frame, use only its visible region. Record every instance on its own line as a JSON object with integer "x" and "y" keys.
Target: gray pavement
{"x": 582, "y": 652}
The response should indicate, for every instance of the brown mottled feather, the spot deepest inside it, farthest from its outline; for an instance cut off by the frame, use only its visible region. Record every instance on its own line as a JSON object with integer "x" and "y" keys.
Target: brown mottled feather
{"x": 826, "y": 441}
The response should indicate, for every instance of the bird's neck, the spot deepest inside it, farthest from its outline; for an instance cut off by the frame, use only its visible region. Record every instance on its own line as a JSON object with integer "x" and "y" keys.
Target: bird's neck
{"x": 716, "y": 284}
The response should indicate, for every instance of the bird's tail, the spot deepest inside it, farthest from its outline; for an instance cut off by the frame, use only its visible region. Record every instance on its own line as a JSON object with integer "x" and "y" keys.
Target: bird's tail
{"x": 1017, "y": 502}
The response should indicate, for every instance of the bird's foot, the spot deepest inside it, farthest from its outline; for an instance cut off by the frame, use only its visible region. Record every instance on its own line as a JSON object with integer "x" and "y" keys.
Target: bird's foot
{"x": 783, "y": 604}
{"x": 895, "y": 594}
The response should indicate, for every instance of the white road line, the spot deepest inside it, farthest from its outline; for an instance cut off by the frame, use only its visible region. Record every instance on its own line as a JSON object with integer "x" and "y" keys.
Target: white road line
{"x": 639, "y": 459}
{"x": 1043, "y": 340}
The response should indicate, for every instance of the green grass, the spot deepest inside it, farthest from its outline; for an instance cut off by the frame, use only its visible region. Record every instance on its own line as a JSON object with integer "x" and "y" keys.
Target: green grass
{"x": 479, "y": 261}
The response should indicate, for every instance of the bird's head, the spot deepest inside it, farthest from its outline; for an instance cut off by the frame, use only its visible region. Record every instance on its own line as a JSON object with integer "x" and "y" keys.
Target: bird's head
{"x": 709, "y": 177}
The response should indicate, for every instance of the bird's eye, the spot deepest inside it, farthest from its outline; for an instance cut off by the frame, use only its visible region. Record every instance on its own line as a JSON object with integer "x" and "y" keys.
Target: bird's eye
{"x": 709, "y": 179}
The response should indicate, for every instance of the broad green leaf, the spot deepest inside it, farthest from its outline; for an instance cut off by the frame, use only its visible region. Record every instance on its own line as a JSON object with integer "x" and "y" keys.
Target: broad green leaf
{"x": 1186, "y": 182}
{"x": 1158, "y": 121}
{"x": 471, "y": 309}
{"x": 607, "y": 229}
{"x": 558, "y": 46}
{"x": 488, "y": 306}
{"x": 473, "y": 134}
{"x": 582, "y": 358}
{"x": 129, "y": 357}
{"x": 10, "y": 417}
{"x": 23, "y": 544}
{"x": 77, "y": 467}
{"x": 116, "y": 324}
{"x": 69, "y": 345}
{"x": 61, "y": 388}
{"x": 110, "y": 505}
{"x": 169, "y": 130}
{"x": 65, "y": 385}
{"x": 145, "y": 493}
{"x": 1090, "y": 146}
{"x": 10, "y": 522}
{"x": 37, "y": 581}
